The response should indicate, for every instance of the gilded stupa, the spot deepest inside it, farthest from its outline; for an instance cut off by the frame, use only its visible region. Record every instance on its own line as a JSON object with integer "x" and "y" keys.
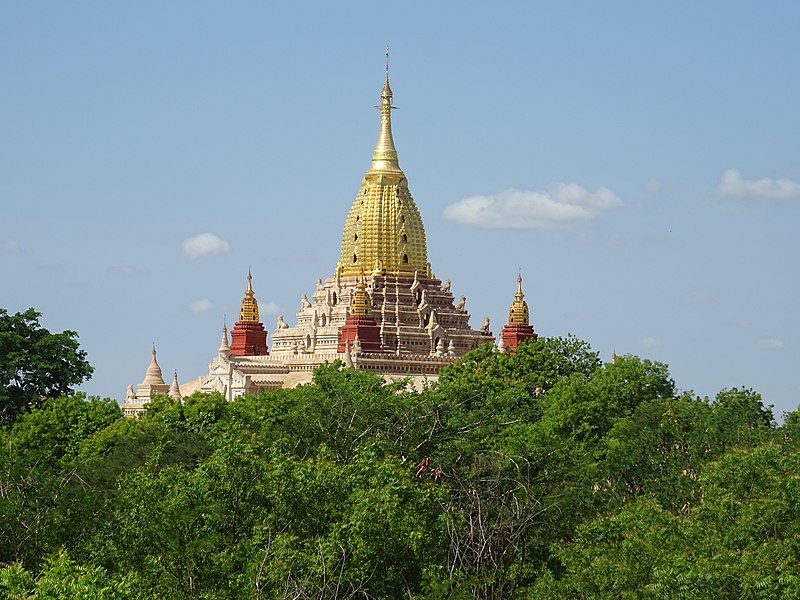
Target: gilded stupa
{"x": 383, "y": 233}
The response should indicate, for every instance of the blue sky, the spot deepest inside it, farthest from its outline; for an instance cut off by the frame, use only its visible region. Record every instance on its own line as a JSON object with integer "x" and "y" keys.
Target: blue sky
{"x": 638, "y": 161}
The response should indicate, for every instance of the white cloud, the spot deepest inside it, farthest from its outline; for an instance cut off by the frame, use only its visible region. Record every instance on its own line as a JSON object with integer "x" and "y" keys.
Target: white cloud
{"x": 270, "y": 309}
{"x": 656, "y": 186}
{"x": 770, "y": 344}
{"x": 204, "y": 244}
{"x": 648, "y": 342}
{"x": 732, "y": 185}
{"x": 10, "y": 247}
{"x": 200, "y": 306}
{"x": 562, "y": 204}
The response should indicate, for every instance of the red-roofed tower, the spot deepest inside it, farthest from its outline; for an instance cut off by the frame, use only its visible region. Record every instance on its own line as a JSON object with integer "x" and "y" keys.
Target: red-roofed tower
{"x": 519, "y": 328}
{"x": 248, "y": 336}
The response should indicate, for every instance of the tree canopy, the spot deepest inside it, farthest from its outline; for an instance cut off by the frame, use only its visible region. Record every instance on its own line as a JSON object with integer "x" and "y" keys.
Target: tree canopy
{"x": 545, "y": 474}
{"x": 36, "y": 364}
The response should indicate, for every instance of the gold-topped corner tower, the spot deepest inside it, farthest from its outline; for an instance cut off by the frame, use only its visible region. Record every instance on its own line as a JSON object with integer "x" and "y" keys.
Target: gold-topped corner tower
{"x": 383, "y": 233}
{"x": 248, "y": 336}
{"x": 519, "y": 327}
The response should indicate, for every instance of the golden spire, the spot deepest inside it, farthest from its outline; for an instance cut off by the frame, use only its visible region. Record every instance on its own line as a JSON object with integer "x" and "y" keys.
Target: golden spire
{"x": 383, "y": 233}
{"x": 249, "y": 293}
{"x": 384, "y": 157}
{"x": 248, "y": 313}
{"x": 518, "y": 313}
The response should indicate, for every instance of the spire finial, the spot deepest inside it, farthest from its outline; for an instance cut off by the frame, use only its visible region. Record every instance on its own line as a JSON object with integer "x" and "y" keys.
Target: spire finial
{"x": 384, "y": 158}
{"x": 386, "y": 92}
{"x": 249, "y": 293}
{"x": 519, "y": 295}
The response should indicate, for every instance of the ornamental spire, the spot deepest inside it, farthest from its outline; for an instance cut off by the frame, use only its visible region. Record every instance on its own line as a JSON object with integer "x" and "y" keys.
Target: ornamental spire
{"x": 153, "y": 374}
{"x": 248, "y": 313}
{"x": 384, "y": 158}
{"x": 175, "y": 389}
{"x": 518, "y": 313}
{"x": 224, "y": 348}
{"x": 249, "y": 293}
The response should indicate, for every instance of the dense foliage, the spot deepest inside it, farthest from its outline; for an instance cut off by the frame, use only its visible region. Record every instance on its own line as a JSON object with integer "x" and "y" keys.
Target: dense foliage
{"x": 35, "y": 364}
{"x": 546, "y": 474}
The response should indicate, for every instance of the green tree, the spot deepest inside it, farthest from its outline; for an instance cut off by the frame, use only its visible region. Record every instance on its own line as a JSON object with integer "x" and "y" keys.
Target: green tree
{"x": 659, "y": 450}
{"x": 63, "y": 579}
{"x": 250, "y": 522}
{"x": 741, "y": 541}
{"x": 47, "y": 499}
{"x": 36, "y": 364}
{"x": 538, "y": 365}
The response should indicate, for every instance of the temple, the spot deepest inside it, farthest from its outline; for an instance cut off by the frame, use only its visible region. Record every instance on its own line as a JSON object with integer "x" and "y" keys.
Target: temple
{"x": 383, "y": 309}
